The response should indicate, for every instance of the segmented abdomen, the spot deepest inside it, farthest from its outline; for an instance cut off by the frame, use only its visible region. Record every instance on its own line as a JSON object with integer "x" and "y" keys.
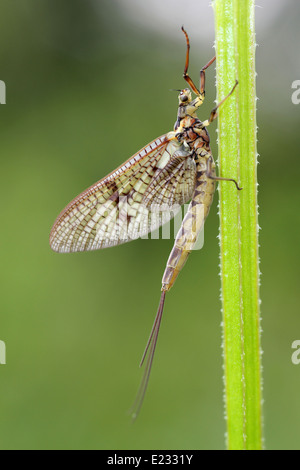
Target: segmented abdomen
{"x": 193, "y": 221}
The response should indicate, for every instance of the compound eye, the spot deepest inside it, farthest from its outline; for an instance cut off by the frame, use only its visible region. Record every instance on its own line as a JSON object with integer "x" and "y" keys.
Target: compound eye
{"x": 183, "y": 98}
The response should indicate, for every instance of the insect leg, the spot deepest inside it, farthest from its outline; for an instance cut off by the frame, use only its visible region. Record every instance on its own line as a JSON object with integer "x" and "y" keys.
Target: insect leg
{"x": 210, "y": 174}
{"x": 214, "y": 114}
{"x": 187, "y": 59}
{"x": 202, "y": 75}
{"x": 202, "y": 71}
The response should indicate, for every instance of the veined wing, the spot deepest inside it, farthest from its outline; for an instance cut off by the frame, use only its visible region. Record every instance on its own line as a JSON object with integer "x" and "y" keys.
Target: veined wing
{"x": 130, "y": 202}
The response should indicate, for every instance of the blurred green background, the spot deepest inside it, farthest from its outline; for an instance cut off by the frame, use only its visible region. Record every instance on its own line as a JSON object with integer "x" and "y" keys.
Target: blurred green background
{"x": 87, "y": 86}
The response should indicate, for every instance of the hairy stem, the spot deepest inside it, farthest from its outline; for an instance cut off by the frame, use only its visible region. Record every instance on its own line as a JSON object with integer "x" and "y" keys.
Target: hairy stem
{"x": 235, "y": 50}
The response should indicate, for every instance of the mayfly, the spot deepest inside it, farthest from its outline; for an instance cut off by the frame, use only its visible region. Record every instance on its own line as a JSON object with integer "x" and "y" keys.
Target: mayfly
{"x": 171, "y": 170}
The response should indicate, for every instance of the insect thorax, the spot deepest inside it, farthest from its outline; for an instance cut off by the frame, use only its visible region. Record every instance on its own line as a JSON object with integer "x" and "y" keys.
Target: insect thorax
{"x": 189, "y": 108}
{"x": 193, "y": 133}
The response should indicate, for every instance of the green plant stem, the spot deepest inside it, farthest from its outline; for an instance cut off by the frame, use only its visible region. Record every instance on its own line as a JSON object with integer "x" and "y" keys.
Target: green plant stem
{"x": 235, "y": 50}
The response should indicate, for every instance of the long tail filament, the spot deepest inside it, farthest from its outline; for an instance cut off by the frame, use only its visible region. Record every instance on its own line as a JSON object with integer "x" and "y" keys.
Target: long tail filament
{"x": 149, "y": 354}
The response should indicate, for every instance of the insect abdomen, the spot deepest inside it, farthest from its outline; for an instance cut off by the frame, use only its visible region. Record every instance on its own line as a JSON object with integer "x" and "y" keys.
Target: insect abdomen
{"x": 192, "y": 223}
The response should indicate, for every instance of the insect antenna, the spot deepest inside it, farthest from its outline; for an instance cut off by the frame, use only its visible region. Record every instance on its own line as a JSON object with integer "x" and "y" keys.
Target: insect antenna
{"x": 149, "y": 353}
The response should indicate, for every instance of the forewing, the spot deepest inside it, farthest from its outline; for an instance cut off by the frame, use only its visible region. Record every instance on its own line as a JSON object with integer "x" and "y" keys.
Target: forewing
{"x": 118, "y": 208}
{"x": 174, "y": 185}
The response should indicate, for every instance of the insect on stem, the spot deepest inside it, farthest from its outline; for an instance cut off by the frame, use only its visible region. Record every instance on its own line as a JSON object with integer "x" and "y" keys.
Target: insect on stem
{"x": 174, "y": 169}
